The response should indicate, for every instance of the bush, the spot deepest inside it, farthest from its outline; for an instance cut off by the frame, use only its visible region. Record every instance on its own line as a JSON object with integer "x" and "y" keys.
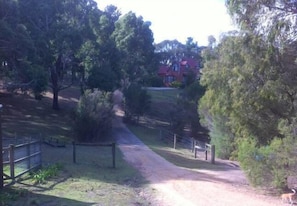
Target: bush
{"x": 153, "y": 81}
{"x": 40, "y": 81}
{"x": 252, "y": 162}
{"x": 137, "y": 101}
{"x": 192, "y": 94}
{"x": 44, "y": 174}
{"x": 93, "y": 118}
{"x": 102, "y": 78}
{"x": 269, "y": 165}
{"x": 177, "y": 120}
{"x": 175, "y": 84}
{"x": 222, "y": 138}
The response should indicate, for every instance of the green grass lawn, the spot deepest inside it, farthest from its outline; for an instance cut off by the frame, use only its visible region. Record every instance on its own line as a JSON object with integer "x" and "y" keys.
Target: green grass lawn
{"x": 180, "y": 157}
{"x": 167, "y": 95}
{"x": 163, "y": 102}
{"x": 90, "y": 181}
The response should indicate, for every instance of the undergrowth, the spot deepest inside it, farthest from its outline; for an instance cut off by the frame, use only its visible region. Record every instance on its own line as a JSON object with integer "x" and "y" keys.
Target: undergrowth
{"x": 43, "y": 174}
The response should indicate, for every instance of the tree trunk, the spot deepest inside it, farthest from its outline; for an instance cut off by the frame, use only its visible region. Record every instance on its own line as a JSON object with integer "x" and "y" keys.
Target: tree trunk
{"x": 56, "y": 72}
{"x": 55, "y": 99}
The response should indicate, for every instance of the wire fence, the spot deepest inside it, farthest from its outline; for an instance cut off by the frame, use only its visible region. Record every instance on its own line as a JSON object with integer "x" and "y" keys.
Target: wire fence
{"x": 197, "y": 147}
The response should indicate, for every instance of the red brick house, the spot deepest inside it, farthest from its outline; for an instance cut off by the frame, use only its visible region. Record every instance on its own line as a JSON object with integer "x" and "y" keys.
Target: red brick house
{"x": 178, "y": 70}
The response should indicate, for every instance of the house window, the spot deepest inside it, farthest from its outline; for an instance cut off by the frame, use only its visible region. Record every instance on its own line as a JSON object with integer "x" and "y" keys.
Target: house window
{"x": 175, "y": 67}
{"x": 169, "y": 79}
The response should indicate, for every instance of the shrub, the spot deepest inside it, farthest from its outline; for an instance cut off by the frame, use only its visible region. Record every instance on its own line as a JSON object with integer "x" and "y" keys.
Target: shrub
{"x": 102, "y": 78}
{"x": 222, "y": 138}
{"x": 192, "y": 94}
{"x": 137, "y": 101}
{"x": 177, "y": 120}
{"x": 153, "y": 81}
{"x": 45, "y": 173}
{"x": 269, "y": 165}
{"x": 40, "y": 81}
{"x": 252, "y": 162}
{"x": 176, "y": 84}
{"x": 93, "y": 117}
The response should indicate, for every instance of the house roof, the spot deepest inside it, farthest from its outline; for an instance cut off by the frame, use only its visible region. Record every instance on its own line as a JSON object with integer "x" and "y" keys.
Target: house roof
{"x": 167, "y": 70}
{"x": 190, "y": 61}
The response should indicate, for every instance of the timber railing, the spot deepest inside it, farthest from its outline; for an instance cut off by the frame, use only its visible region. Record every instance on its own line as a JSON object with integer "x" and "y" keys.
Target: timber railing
{"x": 20, "y": 159}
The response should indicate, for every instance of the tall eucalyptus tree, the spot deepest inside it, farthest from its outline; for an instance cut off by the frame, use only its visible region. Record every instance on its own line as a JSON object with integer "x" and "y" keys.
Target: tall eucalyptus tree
{"x": 102, "y": 72}
{"x": 16, "y": 45}
{"x": 134, "y": 40}
{"x": 57, "y": 28}
{"x": 250, "y": 100}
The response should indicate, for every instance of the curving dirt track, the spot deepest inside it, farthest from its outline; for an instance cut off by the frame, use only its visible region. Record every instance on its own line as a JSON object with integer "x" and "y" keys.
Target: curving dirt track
{"x": 176, "y": 186}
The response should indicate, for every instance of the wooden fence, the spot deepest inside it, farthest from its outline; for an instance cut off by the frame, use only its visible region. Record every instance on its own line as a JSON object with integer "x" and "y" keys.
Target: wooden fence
{"x": 20, "y": 159}
{"x": 112, "y": 145}
{"x": 195, "y": 146}
{"x": 207, "y": 148}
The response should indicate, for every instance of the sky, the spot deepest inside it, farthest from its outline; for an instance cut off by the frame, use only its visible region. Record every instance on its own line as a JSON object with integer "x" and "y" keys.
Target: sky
{"x": 179, "y": 19}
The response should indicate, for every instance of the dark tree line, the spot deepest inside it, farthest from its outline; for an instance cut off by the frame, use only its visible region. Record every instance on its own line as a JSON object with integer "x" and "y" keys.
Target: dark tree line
{"x": 57, "y": 43}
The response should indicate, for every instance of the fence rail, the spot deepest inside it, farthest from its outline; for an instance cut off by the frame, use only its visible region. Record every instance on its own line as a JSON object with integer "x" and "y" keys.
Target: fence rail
{"x": 20, "y": 159}
{"x": 195, "y": 146}
{"x": 112, "y": 145}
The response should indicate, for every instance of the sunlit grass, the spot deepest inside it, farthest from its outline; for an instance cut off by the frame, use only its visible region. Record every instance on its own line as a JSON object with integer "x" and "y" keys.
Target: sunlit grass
{"x": 90, "y": 181}
{"x": 179, "y": 157}
{"x": 167, "y": 95}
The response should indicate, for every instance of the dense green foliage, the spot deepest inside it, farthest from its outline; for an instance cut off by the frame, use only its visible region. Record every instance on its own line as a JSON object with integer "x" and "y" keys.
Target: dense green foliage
{"x": 93, "y": 117}
{"x": 43, "y": 174}
{"x": 134, "y": 40}
{"x": 137, "y": 101}
{"x": 250, "y": 99}
{"x": 185, "y": 112}
{"x": 60, "y": 43}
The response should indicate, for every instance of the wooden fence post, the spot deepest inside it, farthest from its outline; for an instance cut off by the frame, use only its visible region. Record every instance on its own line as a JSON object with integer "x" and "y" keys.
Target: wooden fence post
{"x": 174, "y": 141}
{"x": 195, "y": 152}
{"x": 40, "y": 158}
{"x": 11, "y": 162}
{"x": 74, "y": 152}
{"x": 212, "y": 150}
{"x": 113, "y": 155}
{"x": 193, "y": 144}
{"x": 28, "y": 155}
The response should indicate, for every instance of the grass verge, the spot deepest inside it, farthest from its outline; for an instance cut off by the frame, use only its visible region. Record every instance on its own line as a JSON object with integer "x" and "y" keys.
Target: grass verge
{"x": 179, "y": 157}
{"x": 164, "y": 95}
{"x": 90, "y": 181}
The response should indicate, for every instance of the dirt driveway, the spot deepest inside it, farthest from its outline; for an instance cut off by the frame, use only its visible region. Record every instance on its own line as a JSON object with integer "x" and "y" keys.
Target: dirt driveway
{"x": 178, "y": 186}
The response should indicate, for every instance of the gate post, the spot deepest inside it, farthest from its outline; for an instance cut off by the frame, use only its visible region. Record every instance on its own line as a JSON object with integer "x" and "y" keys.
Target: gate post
{"x": 212, "y": 151}
{"x": 113, "y": 154}
{"x": 11, "y": 162}
{"x": 74, "y": 152}
{"x": 174, "y": 141}
{"x": 1, "y": 147}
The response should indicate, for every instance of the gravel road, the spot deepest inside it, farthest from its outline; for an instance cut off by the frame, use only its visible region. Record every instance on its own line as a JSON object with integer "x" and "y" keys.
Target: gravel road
{"x": 178, "y": 186}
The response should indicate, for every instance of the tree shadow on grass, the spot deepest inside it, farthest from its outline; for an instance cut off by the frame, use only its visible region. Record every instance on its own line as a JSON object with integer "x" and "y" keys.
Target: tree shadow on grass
{"x": 15, "y": 197}
{"x": 179, "y": 159}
